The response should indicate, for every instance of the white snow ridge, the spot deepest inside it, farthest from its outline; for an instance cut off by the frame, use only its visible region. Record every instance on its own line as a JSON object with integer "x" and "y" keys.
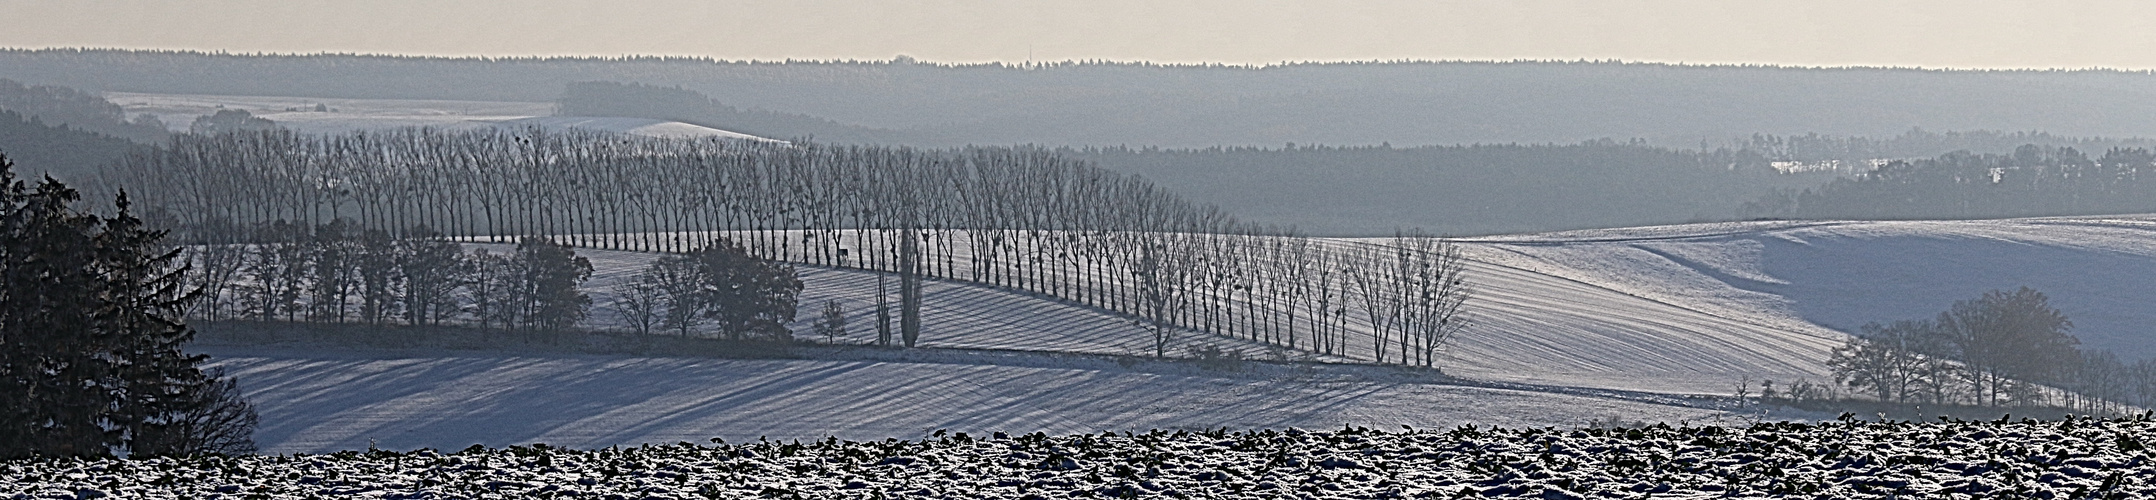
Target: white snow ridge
{"x": 313, "y": 115}
{"x": 633, "y": 126}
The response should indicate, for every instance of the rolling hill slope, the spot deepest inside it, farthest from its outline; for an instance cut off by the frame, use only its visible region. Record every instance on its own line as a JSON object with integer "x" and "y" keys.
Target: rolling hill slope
{"x": 315, "y": 403}
{"x": 1570, "y": 327}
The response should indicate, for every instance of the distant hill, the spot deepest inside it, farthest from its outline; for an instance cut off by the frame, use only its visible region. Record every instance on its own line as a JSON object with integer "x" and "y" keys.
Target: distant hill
{"x": 1105, "y": 104}
{"x": 689, "y": 106}
{"x": 65, "y": 152}
{"x": 2031, "y": 181}
{"x": 1513, "y": 188}
{"x": 78, "y": 109}
{"x": 1814, "y": 149}
{"x": 1461, "y": 190}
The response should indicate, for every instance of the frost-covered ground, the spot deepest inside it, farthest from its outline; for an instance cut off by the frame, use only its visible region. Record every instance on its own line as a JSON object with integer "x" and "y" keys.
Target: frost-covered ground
{"x": 336, "y": 115}
{"x": 318, "y": 399}
{"x": 1699, "y": 308}
{"x": 314, "y": 402}
{"x": 2068, "y": 459}
{"x": 1811, "y": 279}
{"x": 1578, "y": 324}
{"x": 1531, "y": 326}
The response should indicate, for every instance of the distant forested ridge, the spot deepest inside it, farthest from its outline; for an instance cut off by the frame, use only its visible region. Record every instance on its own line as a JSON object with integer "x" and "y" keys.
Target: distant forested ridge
{"x": 1460, "y": 190}
{"x": 1139, "y": 104}
{"x": 62, "y": 151}
{"x": 1513, "y": 188}
{"x": 1858, "y": 154}
{"x": 2031, "y": 181}
{"x": 81, "y": 110}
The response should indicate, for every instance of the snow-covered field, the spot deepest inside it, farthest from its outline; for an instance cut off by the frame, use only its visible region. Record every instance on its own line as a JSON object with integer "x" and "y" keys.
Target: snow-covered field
{"x": 1798, "y": 283}
{"x": 1664, "y": 310}
{"x": 2071, "y": 459}
{"x": 334, "y": 115}
{"x": 316, "y": 403}
{"x": 1700, "y": 308}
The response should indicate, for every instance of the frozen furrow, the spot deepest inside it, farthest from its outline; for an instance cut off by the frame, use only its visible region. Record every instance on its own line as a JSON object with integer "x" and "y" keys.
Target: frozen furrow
{"x": 316, "y": 403}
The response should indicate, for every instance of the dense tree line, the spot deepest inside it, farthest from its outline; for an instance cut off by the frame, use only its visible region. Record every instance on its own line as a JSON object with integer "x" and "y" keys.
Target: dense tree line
{"x": 1854, "y": 153}
{"x": 2031, "y": 181}
{"x": 1199, "y": 105}
{"x": 2002, "y": 348}
{"x": 338, "y": 273}
{"x": 91, "y": 336}
{"x": 1461, "y": 190}
{"x": 1022, "y": 218}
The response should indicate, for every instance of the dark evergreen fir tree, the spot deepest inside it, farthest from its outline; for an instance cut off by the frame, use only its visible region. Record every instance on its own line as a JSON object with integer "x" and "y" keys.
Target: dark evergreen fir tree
{"x": 56, "y": 384}
{"x": 91, "y": 336}
{"x": 164, "y": 396}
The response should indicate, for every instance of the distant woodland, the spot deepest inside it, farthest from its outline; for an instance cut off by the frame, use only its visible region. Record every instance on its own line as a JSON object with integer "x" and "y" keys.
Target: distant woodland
{"x": 1273, "y": 144}
{"x": 1111, "y": 104}
{"x": 66, "y": 132}
{"x": 1859, "y": 153}
{"x": 78, "y": 109}
{"x": 1512, "y": 188}
{"x": 1460, "y": 190}
{"x": 2031, "y": 181}
{"x": 1457, "y": 190}
{"x": 62, "y": 151}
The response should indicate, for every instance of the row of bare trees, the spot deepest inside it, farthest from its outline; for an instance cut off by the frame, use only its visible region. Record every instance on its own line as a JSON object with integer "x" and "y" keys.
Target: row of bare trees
{"x": 1022, "y": 218}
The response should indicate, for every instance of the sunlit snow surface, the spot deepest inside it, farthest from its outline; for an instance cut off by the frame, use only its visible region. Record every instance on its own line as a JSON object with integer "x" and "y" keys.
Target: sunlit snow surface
{"x": 334, "y": 116}
{"x": 1756, "y": 293}
{"x": 1679, "y": 310}
{"x": 313, "y": 403}
{"x": 316, "y": 401}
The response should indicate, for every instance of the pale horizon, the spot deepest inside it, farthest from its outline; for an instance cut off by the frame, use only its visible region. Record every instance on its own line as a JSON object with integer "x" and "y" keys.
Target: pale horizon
{"x": 1836, "y": 33}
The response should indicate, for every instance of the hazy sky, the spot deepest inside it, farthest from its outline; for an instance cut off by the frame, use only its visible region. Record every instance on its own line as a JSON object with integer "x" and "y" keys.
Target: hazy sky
{"x": 1930, "y": 33}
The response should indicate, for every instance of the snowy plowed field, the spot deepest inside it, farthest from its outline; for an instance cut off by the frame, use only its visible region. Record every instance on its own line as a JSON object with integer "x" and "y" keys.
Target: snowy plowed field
{"x": 1579, "y": 324}
{"x": 1695, "y": 307}
{"x": 1684, "y": 309}
{"x": 319, "y": 404}
{"x": 2070, "y": 459}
